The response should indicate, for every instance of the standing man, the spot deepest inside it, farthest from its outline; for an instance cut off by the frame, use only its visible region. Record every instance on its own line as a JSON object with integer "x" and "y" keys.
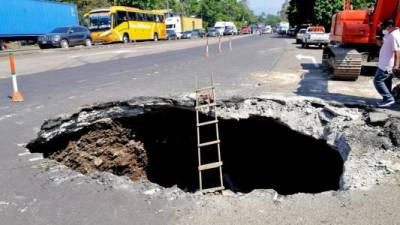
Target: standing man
{"x": 389, "y": 60}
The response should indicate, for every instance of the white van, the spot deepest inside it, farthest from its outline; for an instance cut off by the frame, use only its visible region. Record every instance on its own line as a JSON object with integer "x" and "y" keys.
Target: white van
{"x": 220, "y": 26}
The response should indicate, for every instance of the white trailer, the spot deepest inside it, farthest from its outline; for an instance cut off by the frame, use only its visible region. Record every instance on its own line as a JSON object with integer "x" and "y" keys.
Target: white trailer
{"x": 180, "y": 24}
{"x": 174, "y": 23}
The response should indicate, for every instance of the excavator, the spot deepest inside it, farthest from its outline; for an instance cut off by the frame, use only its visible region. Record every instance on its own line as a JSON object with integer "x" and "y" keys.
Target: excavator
{"x": 353, "y": 38}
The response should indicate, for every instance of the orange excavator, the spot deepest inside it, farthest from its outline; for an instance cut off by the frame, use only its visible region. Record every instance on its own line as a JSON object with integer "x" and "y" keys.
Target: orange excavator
{"x": 353, "y": 37}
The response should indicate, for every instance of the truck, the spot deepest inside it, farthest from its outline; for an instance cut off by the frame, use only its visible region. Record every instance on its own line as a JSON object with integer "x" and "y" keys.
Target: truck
{"x": 222, "y": 25}
{"x": 283, "y": 28}
{"x": 29, "y": 19}
{"x": 315, "y": 35}
{"x": 181, "y": 24}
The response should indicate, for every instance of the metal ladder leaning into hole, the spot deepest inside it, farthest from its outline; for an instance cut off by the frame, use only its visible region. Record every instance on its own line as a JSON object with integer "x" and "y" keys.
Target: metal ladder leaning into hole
{"x": 211, "y": 105}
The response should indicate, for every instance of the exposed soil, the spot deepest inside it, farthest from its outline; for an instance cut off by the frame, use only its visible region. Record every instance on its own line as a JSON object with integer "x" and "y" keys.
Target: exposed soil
{"x": 107, "y": 147}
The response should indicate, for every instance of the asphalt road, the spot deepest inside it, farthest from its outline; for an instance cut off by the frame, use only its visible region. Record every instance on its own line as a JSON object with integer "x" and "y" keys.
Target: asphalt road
{"x": 26, "y": 194}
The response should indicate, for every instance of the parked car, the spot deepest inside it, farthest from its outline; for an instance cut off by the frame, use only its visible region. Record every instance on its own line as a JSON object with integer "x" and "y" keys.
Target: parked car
{"x": 187, "y": 35}
{"x": 267, "y": 30}
{"x": 300, "y": 35}
{"x": 212, "y": 32}
{"x": 198, "y": 33}
{"x": 245, "y": 30}
{"x": 291, "y": 32}
{"x": 230, "y": 31}
{"x": 171, "y": 35}
{"x": 315, "y": 35}
{"x": 65, "y": 37}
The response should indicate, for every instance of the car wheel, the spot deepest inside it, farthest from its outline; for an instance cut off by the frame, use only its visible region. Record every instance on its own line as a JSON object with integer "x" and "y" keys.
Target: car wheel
{"x": 64, "y": 43}
{"x": 125, "y": 39}
{"x": 155, "y": 37}
{"x": 42, "y": 46}
{"x": 88, "y": 42}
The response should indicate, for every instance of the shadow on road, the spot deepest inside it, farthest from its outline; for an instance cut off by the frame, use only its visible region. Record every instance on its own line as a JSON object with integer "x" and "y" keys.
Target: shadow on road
{"x": 314, "y": 83}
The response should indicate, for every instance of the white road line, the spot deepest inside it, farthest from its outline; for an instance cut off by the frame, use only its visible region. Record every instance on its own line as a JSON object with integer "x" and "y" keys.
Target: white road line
{"x": 36, "y": 159}
{"x": 24, "y": 153}
{"x": 7, "y": 116}
{"x": 314, "y": 61}
{"x": 81, "y": 81}
{"x": 22, "y": 145}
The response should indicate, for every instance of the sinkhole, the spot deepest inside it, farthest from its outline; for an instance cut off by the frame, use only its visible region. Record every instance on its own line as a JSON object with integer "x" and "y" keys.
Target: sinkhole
{"x": 160, "y": 145}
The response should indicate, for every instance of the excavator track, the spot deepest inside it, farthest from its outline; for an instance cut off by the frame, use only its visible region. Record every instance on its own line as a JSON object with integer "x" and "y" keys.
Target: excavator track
{"x": 345, "y": 63}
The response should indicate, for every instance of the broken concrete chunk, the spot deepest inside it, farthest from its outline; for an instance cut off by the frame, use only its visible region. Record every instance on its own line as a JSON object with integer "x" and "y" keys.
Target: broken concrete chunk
{"x": 378, "y": 118}
{"x": 98, "y": 162}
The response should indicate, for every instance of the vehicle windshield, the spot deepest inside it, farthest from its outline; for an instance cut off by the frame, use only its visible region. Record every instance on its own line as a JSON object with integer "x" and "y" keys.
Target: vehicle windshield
{"x": 187, "y": 32}
{"x": 170, "y": 26}
{"x": 60, "y": 30}
{"x": 99, "y": 22}
{"x": 212, "y": 30}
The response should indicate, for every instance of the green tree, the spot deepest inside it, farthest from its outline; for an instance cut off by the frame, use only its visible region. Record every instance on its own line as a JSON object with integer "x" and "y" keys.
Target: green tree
{"x": 300, "y": 12}
{"x": 324, "y": 11}
{"x": 273, "y": 19}
{"x": 210, "y": 10}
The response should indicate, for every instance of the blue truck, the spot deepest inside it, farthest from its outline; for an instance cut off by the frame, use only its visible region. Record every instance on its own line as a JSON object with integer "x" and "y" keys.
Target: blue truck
{"x": 28, "y": 19}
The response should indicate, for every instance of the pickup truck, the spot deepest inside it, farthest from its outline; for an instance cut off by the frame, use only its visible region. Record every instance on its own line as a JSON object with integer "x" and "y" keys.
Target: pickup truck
{"x": 315, "y": 36}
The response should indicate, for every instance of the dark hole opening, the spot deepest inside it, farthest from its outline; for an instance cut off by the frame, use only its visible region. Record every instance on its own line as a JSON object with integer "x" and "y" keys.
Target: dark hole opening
{"x": 258, "y": 153}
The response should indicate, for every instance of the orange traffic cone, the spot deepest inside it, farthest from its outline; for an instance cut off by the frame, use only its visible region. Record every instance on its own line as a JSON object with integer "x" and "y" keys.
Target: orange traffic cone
{"x": 16, "y": 96}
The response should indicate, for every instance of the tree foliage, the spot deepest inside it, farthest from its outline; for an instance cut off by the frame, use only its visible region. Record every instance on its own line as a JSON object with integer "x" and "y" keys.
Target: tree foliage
{"x": 210, "y": 10}
{"x": 320, "y": 11}
{"x": 269, "y": 19}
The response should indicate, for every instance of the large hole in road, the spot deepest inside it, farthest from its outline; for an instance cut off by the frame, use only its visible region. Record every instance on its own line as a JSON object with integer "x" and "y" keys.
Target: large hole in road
{"x": 160, "y": 145}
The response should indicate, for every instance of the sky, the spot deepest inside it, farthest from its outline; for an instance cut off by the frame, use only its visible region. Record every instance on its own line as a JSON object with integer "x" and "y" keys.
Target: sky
{"x": 267, "y": 6}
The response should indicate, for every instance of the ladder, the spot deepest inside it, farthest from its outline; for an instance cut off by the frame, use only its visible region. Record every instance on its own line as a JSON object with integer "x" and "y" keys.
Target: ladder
{"x": 205, "y": 101}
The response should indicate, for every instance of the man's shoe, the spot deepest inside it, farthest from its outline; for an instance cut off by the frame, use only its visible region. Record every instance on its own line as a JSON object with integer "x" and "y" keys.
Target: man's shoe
{"x": 384, "y": 104}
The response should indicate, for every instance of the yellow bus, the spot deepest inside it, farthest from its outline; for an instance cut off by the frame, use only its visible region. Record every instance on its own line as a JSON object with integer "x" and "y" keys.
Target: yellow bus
{"x": 125, "y": 24}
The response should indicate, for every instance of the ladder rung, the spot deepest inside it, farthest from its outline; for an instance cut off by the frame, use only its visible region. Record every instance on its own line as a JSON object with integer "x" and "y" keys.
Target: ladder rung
{"x": 209, "y": 143}
{"x": 207, "y": 123}
{"x": 209, "y": 190}
{"x": 210, "y": 166}
{"x": 205, "y": 88}
{"x": 206, "y": 105}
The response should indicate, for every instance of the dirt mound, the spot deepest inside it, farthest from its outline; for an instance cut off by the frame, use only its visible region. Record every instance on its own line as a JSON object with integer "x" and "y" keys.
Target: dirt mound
{"x": 108, "y": 147}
